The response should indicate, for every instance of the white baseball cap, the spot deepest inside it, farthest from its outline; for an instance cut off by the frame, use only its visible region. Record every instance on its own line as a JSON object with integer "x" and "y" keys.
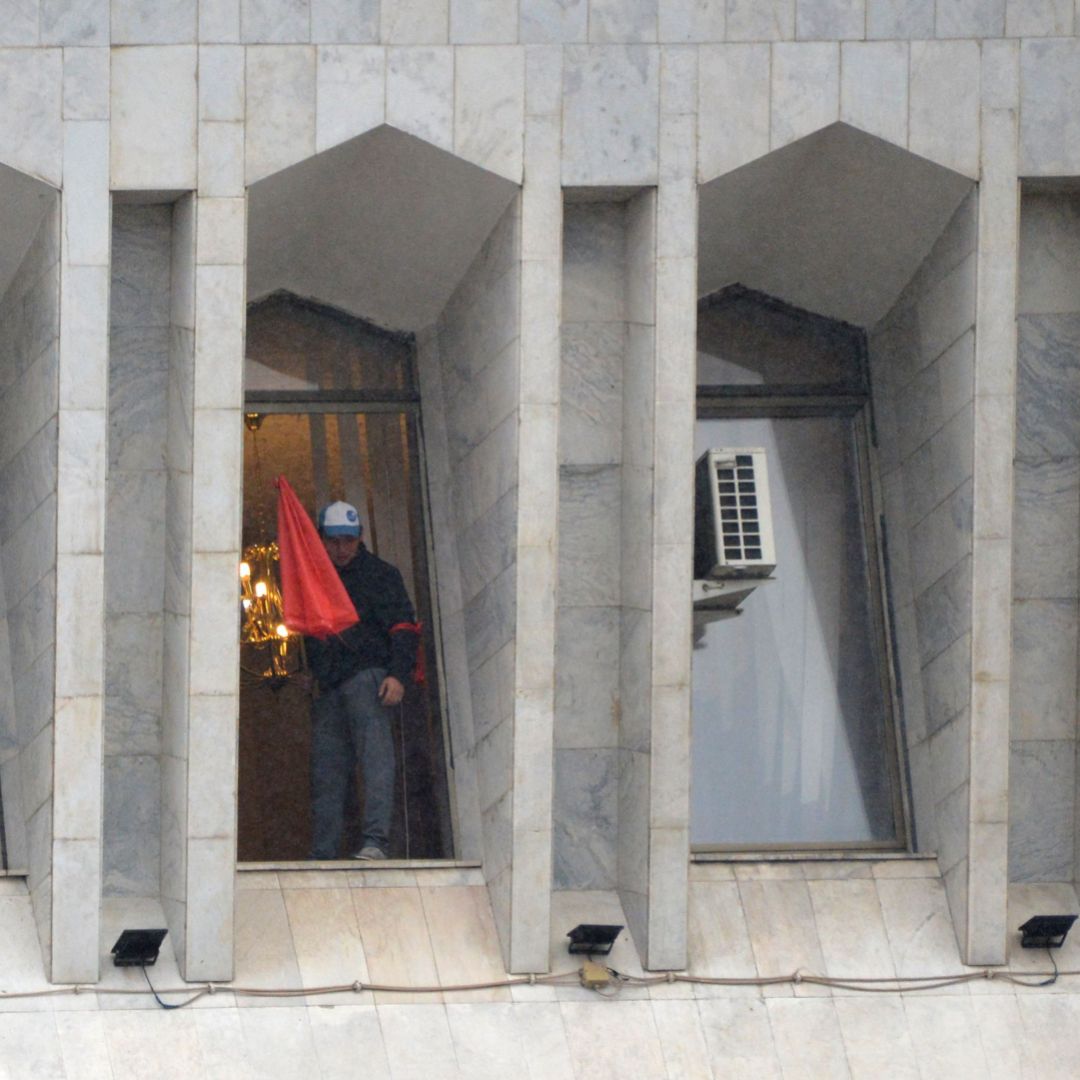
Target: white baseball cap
{"x": 339, "y": 519}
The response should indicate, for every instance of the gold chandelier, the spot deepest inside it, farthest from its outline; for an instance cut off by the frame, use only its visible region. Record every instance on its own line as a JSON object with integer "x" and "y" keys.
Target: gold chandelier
{"x": 263, "y": 627}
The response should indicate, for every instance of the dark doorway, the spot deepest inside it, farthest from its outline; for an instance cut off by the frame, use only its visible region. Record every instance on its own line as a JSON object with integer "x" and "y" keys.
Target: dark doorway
{"x": 332, "y": 406}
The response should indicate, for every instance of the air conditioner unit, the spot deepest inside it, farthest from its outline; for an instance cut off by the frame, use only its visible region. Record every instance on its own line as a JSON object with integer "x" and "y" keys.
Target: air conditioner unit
{"x": 733, "y": 536}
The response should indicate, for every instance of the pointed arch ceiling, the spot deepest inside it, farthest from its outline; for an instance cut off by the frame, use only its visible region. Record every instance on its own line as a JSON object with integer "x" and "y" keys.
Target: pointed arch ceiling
{"x": 836, "y": 223}
{"x": 382, "y": 226}
{"x": 23, "y": 202}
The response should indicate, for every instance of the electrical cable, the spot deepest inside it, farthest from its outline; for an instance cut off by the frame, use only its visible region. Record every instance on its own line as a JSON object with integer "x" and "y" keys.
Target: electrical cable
{"x": 886, "y": 984}
{"x": 165, "y": 1004}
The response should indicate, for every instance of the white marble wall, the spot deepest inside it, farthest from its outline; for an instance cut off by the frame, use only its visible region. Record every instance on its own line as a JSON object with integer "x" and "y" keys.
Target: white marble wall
{"x": 1042, "y": 780}
{"x": 638, "y": 433}
{"x": 135, "y": 546}
{"x": 922, "y": 362}
{"x": 588, "y": 600}
{"x": 29, "y": 330}
{"x": 209, "y": 97}
{"x": 470, "y": 386}
{"x": 176, "y": 563}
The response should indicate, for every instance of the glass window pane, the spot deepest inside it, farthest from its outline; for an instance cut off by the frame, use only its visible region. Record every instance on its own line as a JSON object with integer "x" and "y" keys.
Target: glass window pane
{"x": 296, "y": 344}
{"x": 789, "y": 713}
{"x": 747, "y": 338}
{"x": 368, "y": 459}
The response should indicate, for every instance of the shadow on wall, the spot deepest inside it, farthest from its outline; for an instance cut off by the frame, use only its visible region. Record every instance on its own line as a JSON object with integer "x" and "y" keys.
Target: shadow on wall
{"x": 29, "y": 338}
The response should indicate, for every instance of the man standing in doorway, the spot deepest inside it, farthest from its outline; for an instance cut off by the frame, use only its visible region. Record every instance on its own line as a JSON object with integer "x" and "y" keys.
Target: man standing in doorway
{"x": 361, "y": 675}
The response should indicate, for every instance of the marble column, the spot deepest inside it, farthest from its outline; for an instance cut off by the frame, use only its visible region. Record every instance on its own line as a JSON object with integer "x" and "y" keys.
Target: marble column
{"x": 537, "y": 525}
{"x": 82, "y": 465}
{"x": 983, "y": 938}
{"x": 673, "y": 510}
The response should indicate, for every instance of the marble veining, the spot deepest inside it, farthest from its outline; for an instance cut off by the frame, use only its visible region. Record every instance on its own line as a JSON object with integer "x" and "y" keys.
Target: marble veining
{"x": 611, "y": 100}
{"x": 584, "y": 818}
{"x": 1047, "y": 386}
{"x": 1050, "y": 76}
{"x": 589, "y": 530}
{"x": 1042, "y": 799}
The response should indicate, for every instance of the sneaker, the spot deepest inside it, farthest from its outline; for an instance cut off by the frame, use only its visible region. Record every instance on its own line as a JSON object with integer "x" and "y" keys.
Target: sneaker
{"x": 370, "y": 852}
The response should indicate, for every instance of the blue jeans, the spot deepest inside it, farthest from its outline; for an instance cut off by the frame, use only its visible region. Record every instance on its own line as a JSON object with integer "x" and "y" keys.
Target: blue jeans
{"x": 348, "y": 724}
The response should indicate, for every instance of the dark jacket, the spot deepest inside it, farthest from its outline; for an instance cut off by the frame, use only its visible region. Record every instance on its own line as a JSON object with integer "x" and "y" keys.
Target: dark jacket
{"x": 378, "y": 593}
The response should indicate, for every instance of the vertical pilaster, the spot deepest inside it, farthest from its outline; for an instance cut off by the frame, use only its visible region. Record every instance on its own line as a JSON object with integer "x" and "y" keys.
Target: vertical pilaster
{"x": 80, "y": 565}
{"x": 983, "y": 937}
{"x": 538, "y": 498}
{"x": 217, "y": 398}
{"x": 673, "y": 509}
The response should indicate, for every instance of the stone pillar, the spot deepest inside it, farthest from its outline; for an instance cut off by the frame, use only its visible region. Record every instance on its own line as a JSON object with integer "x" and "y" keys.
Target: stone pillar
{"x": 984, "y": 936}
{"x": 82, "y": 465}
{"x": 217, "y": 400}
{"x": 537, "y": 525}
{"x": 673, "y": 510}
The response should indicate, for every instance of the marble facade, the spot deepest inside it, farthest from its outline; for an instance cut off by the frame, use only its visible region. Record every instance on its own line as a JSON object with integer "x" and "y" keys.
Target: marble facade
{"x": 28, "y": 557}
{"x": 557, "y": 370}
{"x": 922, "y": 360}
{"x": 1042, "y": 788}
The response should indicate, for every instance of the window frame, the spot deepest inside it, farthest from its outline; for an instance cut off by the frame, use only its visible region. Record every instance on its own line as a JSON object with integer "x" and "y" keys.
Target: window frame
{"x": 847, "y": 401}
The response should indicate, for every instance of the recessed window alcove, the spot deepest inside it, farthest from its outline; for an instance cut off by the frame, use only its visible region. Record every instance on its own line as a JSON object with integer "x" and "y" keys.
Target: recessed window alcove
{"x": 29, "y": 338}
{"x": 835, "y": 331}
{"x": 383, "y": 280}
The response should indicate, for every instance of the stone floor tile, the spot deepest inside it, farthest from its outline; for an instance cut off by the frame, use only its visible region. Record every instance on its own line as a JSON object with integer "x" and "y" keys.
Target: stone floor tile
{"x": 1001, "y": 1033}
{"x": 160, "y": 1044}
{"x": 83, "y": 1046}
{"x": 450, "y": 875}
{"x": 719, "y": 943}
{"x": 486, "y": 1043}
{"x": 380, "y": 879}
{"x": 264, "y": 947}
{"x": 31, "y": 1037}
{"x": 397, "y": 945}
{"x": 711, "y": 871}
{"x": 349, "y": 1041}
{"x": 610, "y": 1040}
{"x": 329, "y": 950}
{"x": 464, "y": 940}
{"x": 782, "y": 870}
{"x": 1051, "y": 1022}
{"x": 682, "y": 1040}
{"x": 278, "y": 1042}
{"x": 221, "y": 1044}
{"x": 914, "y": 867}
{"x": 22, "y": 967}
{"x": 807, "y": 1038}
{"x": 783, "y": 934}
{"x": 920, "y": 928}
{"x": 739, "y": 1038}
{"x": 542, "y": 1034}
{"x": 876, "y": 1039}
{"x": 945, "y": 1035}
{"x": 851, "y": 930}
{"x": 418, "y": 1042}
{"x": 837, "y": 870}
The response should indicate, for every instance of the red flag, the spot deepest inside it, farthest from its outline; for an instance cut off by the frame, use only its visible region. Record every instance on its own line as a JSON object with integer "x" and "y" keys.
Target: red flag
{"x": 315, "y": 600}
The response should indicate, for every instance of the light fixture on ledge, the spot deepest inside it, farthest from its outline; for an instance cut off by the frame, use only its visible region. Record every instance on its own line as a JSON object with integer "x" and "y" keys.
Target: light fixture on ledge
{"x": 263, "y": 626}
{"x": 138, "y": 948}
{"x": 593, "y": 939}
{"x": 1046, "y": 931}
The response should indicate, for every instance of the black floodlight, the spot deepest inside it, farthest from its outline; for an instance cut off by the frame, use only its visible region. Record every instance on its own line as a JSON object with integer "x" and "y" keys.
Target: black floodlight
{"x": 1046, "y": 931}
{"x": 137, "y": 948}
{"x": 593, "y": 938}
